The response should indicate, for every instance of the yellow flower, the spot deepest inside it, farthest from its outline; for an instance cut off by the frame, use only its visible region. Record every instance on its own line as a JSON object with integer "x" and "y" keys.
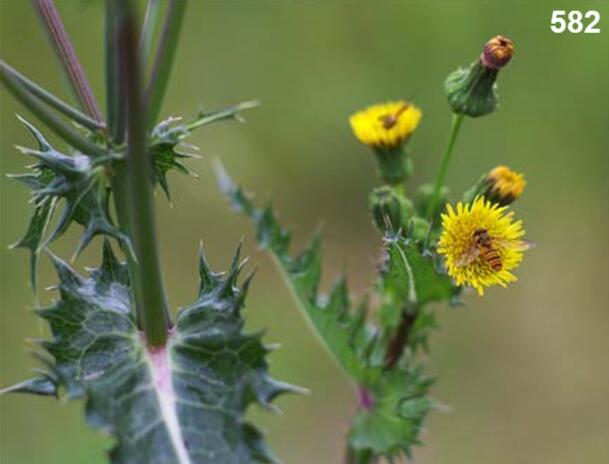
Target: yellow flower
{"x": 469, "y": 261}
{"x": 505, "y": 185}
{"x": 386, "y": 125}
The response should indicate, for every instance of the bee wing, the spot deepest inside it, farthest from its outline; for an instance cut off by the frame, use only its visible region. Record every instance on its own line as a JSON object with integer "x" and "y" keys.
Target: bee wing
{"x": 468, "y": 257}
{"x": 518, "y": 245}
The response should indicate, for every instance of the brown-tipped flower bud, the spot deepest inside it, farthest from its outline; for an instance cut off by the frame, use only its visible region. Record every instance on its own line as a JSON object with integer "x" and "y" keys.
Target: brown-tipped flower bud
{"x": 497, "y": 52}
{"x": 473, "y": 91}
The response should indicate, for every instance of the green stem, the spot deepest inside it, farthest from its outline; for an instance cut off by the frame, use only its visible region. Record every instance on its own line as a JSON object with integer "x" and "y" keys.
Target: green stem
{"x": 163, "y": 60}
{"x": 51, "y": 100}
{"x": 115, "y": 112}
{"x": 232, "y": 112}
{"x": 133, "y": 182}
{"x": 147, "y": 35}
{"x": 67, "y": 56}
{"x": 63, "y": 130}
{"x": 454, "y": 132}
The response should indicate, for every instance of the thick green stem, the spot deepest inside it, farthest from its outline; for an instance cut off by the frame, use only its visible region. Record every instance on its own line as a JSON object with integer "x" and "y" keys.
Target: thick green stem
{"x": 454, "y": 132}
{"x": 32, "y": 103}
{"x": 67, "y": 56}
{"x": 133, "y": 187}
{"x": 51, "y": 100}
{"x": 163, "y": 60}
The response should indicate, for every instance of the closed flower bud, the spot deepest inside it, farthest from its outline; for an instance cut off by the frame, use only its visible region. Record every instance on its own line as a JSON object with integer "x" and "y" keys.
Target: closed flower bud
{"x": 390, "y": 209}
{"x": 473, "y": 91}
{"x": 419, "y": 228}
{"x": 497, "y": 52}
{"x": 424, "y": 196}
{"x": 501, "y": 186}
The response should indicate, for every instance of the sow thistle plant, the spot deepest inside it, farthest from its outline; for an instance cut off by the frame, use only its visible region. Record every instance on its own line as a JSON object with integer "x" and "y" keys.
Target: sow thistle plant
{"x": 432, "y": 250}
{"x": 177, "y": 390}
{"x": 168, "y": 391}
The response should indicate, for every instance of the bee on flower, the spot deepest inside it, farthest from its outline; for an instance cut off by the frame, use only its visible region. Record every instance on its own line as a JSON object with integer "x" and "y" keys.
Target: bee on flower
{"x": 387, "y": 125}
{"x": 481, "y": 244}
{"x": 386, "y": 128}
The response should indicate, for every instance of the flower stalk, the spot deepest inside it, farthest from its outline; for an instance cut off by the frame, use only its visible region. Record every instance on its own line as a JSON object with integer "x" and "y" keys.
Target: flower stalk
{"x": 114, "y": 98}
{"x": 163, "y": 60}
{"x": 31, "y": 101}
{"x": 147, "y": 35}
{"x": 67, "y": 56}
{"x": 441, "y": 177}
{"x": 133, "y": 194}
{"x": 51, "y": 100}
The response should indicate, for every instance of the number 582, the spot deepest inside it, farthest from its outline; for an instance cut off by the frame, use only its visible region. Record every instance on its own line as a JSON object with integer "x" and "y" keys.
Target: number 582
{"x": 573, "y": 21}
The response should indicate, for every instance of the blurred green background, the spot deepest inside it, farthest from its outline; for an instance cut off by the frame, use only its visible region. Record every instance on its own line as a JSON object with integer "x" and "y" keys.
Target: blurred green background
{"x": 525, "y": 370}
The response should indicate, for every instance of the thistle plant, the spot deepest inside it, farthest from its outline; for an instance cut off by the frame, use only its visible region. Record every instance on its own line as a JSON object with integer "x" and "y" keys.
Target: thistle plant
{"x": 168, "y": 390}
{"x": 432, "y": 251}
{"x": 176, "y": 390}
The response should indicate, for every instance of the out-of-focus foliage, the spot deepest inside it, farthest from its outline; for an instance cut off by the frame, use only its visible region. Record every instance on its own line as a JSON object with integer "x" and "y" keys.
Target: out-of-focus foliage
{"x": 379, "y": 358}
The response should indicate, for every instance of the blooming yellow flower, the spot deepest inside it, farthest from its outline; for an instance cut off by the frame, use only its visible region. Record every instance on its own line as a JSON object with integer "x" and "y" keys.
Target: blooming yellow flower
{"x": 505, "y": 185}
{"x": 458, "y": 242}
{"x": 386, "y": 125}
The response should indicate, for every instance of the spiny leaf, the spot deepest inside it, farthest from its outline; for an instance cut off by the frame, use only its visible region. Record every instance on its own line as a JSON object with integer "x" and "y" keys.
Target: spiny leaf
{"x": 79, "y": 181}
{"x": 168, "y": 149}
{"x": 44, "y": 386}
{"x": 396, "y": 402}
{"x": 182, "y": 403}
{"x": 331, "y": 316}
{"x": 408, "y": 278}
{"x": 391, "y": 426}
{"x": 34, "y": 235}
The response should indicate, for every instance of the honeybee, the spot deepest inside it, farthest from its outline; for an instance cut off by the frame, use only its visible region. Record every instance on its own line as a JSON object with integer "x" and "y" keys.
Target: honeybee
{"x": 390, "y": 120}
{"x": 486, "y": 246}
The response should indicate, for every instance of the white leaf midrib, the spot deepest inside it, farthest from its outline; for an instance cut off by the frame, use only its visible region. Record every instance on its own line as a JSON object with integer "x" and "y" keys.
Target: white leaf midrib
{"x": 159, "y": 364}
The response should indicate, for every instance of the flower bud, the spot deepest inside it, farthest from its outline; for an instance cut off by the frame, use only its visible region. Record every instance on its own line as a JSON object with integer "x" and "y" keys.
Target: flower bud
{"x": 419, "y": 228}
{"x": 390, "y": 209}
{"x": 424, "y": 196}
{"x": 473, "y": 91}
{"x": 497, "y": 52}
{"x": 501, "y": 185}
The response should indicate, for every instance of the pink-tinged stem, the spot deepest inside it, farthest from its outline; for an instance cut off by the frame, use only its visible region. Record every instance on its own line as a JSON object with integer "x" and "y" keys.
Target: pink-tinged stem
{"x": 67, "y": 55}
{"x": 366, "y": 399}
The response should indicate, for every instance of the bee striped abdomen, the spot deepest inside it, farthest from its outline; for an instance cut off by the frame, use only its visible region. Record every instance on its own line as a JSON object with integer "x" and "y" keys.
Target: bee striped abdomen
{"x": 491, "y": 256}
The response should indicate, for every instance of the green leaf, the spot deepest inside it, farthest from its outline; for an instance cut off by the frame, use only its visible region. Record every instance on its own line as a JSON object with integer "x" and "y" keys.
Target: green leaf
{"x": 409, "y": 280}
{"x": 393, "y": 398}
{"x": 44, "y": 385}
{"x": 391, "y": 426}
{"x": 341, "y": 329}
{"x": 34, "y": 235}
{"x": 168, "y": 149}
{"x": 80, "y": 183}
{"x": 181, "y": 403}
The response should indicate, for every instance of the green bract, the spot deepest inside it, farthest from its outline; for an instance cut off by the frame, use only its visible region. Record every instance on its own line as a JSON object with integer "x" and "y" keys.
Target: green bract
{"x": 81, "y": 182}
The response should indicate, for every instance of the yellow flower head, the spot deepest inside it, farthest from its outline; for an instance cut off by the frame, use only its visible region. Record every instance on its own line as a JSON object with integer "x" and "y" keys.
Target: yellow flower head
{"x": 386, "y": 125}
{"x": 481, "y": 243}
{"x": 505, "y": 185}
